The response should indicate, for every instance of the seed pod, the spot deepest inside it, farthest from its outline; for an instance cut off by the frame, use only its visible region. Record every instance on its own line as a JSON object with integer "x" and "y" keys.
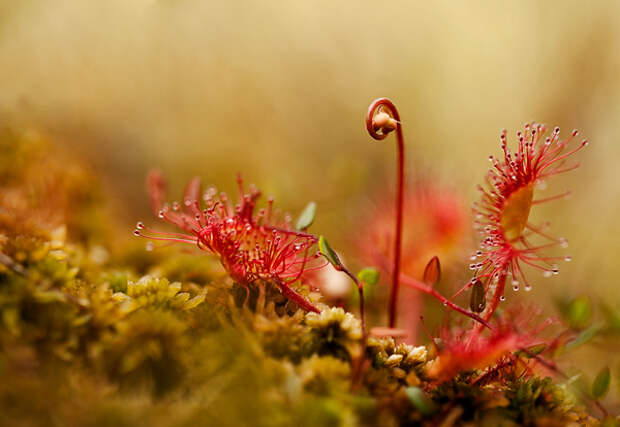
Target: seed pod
{"x": 477, "y": 301}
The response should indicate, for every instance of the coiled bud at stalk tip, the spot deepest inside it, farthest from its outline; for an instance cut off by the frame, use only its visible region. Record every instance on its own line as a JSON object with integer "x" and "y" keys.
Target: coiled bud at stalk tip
{"x": 383, "y": 122}
{"x": 381, "y": 119}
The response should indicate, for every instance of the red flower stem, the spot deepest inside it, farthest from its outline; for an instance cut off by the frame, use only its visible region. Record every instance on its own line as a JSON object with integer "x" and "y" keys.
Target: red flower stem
{"x": 408, "y": 281}
{"x": 373, "y": 131}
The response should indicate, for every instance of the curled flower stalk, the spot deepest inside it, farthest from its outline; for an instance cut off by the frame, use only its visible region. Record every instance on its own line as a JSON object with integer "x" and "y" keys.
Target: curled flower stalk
{"x": 255, "y": 248}
{"x": 381, "y": 119}
{"x": 503, "y": 212}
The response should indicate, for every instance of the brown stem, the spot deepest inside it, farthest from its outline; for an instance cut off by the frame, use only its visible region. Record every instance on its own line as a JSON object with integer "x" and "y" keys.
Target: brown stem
{"x": 491, "y": 306}
{"x": 406, "y": 280}
{"x": 379, "y": 132}
{"x": 360, "y": 290}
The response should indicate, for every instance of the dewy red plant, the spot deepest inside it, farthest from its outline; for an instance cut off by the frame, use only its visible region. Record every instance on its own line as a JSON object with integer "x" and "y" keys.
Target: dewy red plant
{"x": 463, "y": 350}
{"x": 255, "y": 248}
{"x": 503, "y": 211}
{"x": 381, "y": 119}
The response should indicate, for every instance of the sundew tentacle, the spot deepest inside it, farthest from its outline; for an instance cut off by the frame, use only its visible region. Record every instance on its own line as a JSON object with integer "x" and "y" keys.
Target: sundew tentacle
{"x": 502, "y": 214}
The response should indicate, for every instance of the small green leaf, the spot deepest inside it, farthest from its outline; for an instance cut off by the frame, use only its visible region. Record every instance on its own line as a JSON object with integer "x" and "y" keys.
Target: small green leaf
{"x": 532, "y": 351}
{"x": 432, "y": 272}
{"x": 421, "y": 402}
{"x": 477, "y": 301}
{"x": 583, "y": 337}
{"x": 612, "y": 316}
{"x": 600, "y": 386}
{"x": 306, "y": 218}
{"x": 369, "y": 275}
{"x": 329, "y": 253}
{"x": 579, "y": 312}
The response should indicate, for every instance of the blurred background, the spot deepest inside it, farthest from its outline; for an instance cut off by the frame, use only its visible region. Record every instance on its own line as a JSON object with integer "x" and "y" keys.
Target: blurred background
{"x": 279, "y": 90}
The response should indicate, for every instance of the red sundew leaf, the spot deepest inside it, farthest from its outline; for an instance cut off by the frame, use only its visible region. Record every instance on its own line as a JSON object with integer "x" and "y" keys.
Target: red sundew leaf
{"x": 432, "y": 272}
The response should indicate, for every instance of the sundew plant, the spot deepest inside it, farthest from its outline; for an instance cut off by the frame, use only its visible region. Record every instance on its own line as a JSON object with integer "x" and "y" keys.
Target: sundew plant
{"x": 219, "y": 311}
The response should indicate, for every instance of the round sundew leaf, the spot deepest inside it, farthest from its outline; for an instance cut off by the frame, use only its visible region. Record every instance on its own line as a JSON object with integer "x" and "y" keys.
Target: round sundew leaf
{"x": 369, "y": 275}
{"x": 600, "y": 385}
{"x": 329, "y": 253}
{"x": 432, "y": 272}
{"x": 421, "y": 402}
{"x": 306, "y": 218}
{"x": 516, "y": 211}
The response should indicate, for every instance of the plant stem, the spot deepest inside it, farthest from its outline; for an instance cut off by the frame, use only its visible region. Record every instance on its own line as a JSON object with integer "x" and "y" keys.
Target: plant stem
{"x": 406, "y": 280}
{"x": 360, "y": 290}
{"x": 373, "y": 130}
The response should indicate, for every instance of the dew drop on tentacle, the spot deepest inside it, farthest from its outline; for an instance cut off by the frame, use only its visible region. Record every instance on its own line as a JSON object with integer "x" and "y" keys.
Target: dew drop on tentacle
{"x": 568, "y": 258}
{"x": 139, "y": 225}
{"x": 502, "y": 298}
{"x": 527, "y": 287}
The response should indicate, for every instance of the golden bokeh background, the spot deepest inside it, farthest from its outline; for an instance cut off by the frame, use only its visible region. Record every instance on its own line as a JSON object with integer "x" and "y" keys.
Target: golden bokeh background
{"x": 278, "y": 90}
